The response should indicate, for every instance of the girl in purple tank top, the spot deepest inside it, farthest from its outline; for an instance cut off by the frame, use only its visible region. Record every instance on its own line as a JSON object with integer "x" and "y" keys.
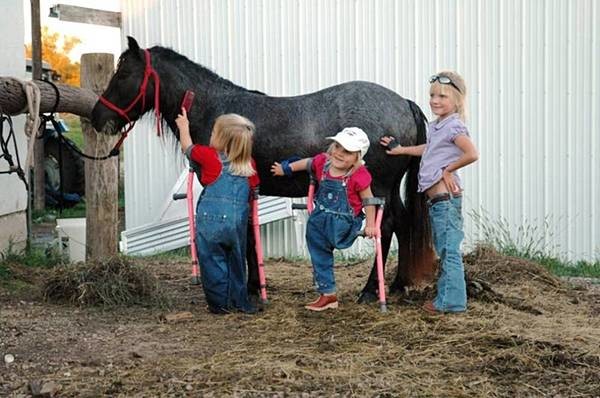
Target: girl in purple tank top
{"x": 448, "y": 149}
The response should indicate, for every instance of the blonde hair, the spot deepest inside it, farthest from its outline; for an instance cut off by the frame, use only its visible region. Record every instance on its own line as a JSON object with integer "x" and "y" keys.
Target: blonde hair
{"x": 232, "y": 134}
{"x": 459, "y": 96}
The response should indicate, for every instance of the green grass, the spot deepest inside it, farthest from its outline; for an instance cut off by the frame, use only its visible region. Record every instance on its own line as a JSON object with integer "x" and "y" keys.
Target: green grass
{"x": 528, "y": 242}
{"x": 75, "y": 134}
{"x": 35, "y": 258}
{"x": 51, "y": 214}
{"x": 182, "y": 254}
{"x": 567, "y": 268}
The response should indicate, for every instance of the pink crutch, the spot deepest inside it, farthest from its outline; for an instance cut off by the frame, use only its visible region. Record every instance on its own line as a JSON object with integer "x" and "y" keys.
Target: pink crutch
{"x": 189, "y": 195}
{"x": 309, "y": 205}
{"x": 379, "y": 203}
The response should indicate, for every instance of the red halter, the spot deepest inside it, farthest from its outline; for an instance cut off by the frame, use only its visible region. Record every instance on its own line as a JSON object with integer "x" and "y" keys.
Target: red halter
{"x": 148, "y": 72}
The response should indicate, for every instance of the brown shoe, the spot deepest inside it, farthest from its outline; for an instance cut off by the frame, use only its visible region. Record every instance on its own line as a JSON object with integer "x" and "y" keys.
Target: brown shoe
{"x": 325, "y": 301}
{"x": 429, "y": 308}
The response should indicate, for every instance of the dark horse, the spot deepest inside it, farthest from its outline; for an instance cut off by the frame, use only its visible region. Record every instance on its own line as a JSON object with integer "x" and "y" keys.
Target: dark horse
{"x": 286, "y": 126}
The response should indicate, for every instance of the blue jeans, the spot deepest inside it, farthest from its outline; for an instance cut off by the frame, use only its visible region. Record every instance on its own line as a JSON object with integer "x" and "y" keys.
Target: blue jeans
{"x": 447, "y": 227}
{"x": 325, "y": 232}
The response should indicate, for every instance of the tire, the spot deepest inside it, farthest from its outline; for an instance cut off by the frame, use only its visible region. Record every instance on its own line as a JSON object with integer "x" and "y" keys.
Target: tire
{"x": 73, "y": 171}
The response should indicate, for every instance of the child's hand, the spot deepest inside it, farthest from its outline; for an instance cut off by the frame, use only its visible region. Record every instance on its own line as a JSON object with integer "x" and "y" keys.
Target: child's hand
{"x": 392, "y": 145}
{"x": 182, "y": 121}
{"x": 276, "y": 169}
{"x": 451, "y": 184}
{"x": 370, "y": 232}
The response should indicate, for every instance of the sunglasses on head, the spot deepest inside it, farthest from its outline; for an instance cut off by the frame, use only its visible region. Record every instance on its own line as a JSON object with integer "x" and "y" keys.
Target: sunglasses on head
{"x": 444, "y": 80}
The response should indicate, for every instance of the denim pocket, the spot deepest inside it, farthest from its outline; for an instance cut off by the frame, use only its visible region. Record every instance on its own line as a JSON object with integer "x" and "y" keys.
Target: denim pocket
{"x": 215, "y": 226}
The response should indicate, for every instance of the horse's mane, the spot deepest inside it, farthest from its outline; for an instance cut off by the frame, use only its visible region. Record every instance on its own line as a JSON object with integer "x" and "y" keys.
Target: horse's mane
{"x": 190, "y": 67}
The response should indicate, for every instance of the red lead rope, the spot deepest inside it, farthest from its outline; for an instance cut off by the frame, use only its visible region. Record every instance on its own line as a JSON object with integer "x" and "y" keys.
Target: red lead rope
{"x": 148, "y": 73}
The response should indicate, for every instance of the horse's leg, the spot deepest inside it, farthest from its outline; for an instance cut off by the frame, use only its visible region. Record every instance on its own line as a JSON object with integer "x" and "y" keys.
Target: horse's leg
{"x": 252, "y": 261}
{"x": 369, "y": 292}
{"x": 401, "y": 229}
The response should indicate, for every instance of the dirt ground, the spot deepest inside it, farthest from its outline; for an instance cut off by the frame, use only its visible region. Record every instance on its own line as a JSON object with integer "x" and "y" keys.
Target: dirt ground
{"x": 526, "y": 333}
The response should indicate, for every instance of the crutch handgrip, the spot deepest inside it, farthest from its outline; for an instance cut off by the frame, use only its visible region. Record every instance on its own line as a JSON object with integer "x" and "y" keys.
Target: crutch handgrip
{"x": 179, "y": 196}
{"x": 373, "y": 202}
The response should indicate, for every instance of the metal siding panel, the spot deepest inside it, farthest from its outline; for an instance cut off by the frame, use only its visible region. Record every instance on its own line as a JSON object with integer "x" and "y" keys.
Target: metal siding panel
{"x": 468, "y": 64}
{"x": 385, "y": 41}
{"x": 533, "y": 135}
{"x": 405, "y": 50}
{"x": 556, "y": 88}
{"x": 594, "y": 161}
{"x": 512, "y": 106}
{"x": 581, "y": 28}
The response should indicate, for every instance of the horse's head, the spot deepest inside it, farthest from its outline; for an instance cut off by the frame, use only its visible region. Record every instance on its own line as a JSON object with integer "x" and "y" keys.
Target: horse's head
{"x": 130, "y": 92}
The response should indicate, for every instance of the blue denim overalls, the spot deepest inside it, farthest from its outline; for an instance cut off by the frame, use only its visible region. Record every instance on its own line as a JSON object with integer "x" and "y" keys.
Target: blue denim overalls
{"x": 331, "y": 225}
{"x": 447, "y": 227}
{"x": 222, "y": 223}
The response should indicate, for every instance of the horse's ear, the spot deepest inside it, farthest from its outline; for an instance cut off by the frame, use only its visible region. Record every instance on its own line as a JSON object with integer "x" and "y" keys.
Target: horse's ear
{"x": 132, "y": 44}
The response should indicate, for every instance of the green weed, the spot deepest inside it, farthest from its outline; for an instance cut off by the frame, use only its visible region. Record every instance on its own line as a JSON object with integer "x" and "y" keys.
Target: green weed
{"x": 34, "y": 257}
{"x": 530, "y": 241}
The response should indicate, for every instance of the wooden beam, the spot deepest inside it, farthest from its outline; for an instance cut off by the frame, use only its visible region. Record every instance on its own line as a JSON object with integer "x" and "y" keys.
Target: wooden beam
{"x": 75, "y": 100}
{"x": 69, "y": 13}
{"x": 101, "y": 178}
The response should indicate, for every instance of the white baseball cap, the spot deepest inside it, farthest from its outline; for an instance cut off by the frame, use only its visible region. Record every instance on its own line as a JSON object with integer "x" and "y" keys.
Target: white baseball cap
{"x": 353, "y": 139}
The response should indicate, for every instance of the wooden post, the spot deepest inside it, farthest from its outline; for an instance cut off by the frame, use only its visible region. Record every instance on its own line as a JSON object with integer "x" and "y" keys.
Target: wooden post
{"x": 101, "y": 177}
{"x": 39, "y": 190}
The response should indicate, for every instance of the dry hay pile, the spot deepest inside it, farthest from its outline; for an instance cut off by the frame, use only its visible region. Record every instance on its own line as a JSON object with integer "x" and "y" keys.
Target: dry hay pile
{"x": 530, "y": 335}
{"x": 111, "y": 282}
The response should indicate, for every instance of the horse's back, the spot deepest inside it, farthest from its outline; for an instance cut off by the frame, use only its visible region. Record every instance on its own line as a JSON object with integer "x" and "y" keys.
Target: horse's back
{"x": 299, "y": 125}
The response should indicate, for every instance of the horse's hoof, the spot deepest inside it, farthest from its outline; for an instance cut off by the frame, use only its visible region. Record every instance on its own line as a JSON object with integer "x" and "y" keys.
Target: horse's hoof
{"x": 366, "y": 297}
{"x": 398, "y": 288}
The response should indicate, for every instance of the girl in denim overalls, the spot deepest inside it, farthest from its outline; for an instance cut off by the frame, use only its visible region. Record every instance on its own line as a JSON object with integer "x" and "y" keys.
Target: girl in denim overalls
{"x": 228, "y": 176}
{"x": 337, "y": 216}
{"x": 448, "y": 149}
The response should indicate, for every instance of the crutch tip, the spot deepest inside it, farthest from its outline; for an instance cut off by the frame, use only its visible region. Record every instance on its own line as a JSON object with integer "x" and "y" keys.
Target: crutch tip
{"x": 383, "y": 308}
{"x": 195, "y": 280}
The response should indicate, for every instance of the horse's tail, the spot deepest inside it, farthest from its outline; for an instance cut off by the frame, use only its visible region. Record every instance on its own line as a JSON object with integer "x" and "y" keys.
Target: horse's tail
{"x": 421, "y": 262}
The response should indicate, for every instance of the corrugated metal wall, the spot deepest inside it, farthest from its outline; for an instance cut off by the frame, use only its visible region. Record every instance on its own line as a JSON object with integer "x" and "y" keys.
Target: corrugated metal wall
{"x": 531, "y": 67}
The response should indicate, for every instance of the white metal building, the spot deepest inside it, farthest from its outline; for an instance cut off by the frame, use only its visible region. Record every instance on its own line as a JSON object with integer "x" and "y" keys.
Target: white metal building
{"x": 13, "y": 196}
{"x": 532, "y": 68}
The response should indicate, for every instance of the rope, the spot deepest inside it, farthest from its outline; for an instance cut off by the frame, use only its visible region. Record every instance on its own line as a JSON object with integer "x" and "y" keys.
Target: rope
{"x": 32, "y": 122}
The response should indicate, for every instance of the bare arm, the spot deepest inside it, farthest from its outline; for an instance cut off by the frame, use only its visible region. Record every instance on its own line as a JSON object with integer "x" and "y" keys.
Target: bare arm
{"x": 183, "y": 124}
{"x": 298, "y": 165}
{"x": 416, "y": 150}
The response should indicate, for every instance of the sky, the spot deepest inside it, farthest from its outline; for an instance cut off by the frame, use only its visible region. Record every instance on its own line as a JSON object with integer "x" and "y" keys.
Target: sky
{"x": 94, "y": 38}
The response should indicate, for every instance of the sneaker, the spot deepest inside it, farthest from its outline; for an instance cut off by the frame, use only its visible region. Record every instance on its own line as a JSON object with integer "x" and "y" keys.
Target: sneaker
{"x": 323, "y": 302}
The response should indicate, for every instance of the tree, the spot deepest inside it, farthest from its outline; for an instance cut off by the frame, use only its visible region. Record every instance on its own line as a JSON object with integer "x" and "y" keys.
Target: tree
{"x": 58, "y": 57}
